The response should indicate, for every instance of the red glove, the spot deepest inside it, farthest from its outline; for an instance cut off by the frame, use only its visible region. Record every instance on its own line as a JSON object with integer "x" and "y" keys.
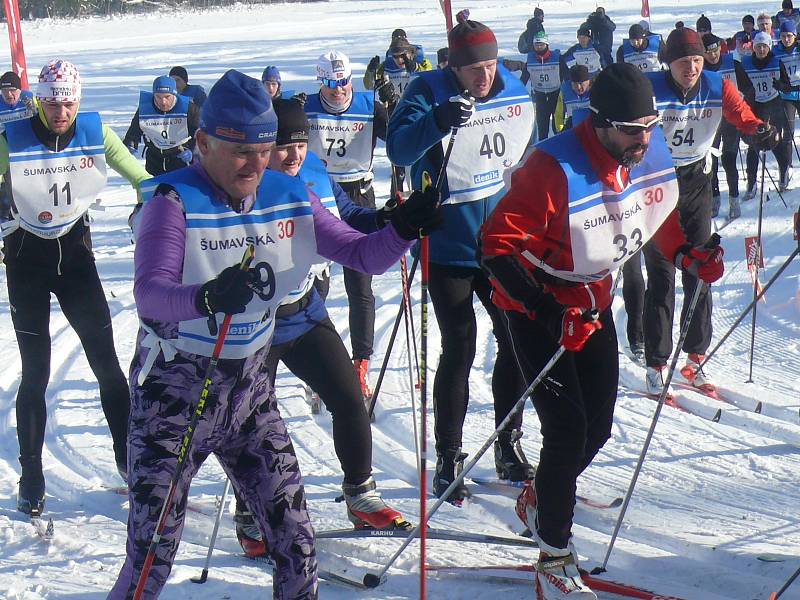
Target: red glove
{"x": 703, "y": 263}
{"x": 576, "y": 328}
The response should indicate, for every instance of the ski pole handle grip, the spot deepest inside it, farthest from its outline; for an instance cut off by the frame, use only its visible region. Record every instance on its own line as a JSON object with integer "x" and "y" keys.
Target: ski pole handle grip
{"x": 590, "y": 316}
{"x": 714, "y": 241}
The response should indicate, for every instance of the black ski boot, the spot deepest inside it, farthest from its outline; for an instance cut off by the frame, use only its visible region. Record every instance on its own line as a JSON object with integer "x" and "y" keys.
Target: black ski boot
{"x": 30, "y": 499}
{"x": 509, "y": 459}
{"x": 449, "y": 465}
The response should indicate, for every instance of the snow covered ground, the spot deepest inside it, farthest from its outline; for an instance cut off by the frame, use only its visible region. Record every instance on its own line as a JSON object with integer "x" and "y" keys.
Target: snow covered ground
{"x": 711, "y": 496}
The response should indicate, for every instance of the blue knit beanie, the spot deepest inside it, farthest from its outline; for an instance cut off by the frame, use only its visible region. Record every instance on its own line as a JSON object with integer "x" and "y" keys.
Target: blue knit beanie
{"x": 788, "y": 26}
{"x": 165, "y": 85}
{"x": 271, "y": 74}
{"x": 238, "y": 109}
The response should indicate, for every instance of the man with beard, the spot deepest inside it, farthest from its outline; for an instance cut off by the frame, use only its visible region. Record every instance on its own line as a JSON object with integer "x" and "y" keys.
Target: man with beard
{"x": 551, "y": 253}
{"x": 692, "y": 102}
{"x": 344, "y": 127}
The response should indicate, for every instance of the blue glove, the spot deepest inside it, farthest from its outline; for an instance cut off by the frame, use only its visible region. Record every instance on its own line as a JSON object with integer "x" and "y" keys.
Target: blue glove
{"x": 186, "y": 156}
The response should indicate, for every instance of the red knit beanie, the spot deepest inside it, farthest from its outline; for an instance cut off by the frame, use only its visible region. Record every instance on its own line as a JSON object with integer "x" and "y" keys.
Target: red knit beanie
{"x": 470, "y": 42}
{"x": 683, "y": 42}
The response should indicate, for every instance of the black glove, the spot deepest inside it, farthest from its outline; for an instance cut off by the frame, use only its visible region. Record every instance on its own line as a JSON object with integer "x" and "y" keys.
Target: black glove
{"x": 301, "y": 97}
{"x": 767, "y": 137}
{"x": 417, "y": 216}
{"x": 411, "y": 63}
{"x": 386, "y": 92}
{"x": 781, "y": 86}
{"x": 453, "y": 113}
{"x": 228, "y": 293}
{"x": 374, "y": 63}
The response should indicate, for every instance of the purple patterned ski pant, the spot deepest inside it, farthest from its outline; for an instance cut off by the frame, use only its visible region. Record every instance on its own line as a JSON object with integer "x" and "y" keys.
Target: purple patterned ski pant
{"x": 242, "y": 426}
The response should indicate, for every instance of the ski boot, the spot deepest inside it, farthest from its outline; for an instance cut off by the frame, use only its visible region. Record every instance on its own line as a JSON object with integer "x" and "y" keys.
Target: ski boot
{"x": 751, "y": 191}
{"x": 715, "y": 202}
{"x": 784, "y": 182}
{"x": 655, "y": 378}
{"x": 509, "y": 459}
{"x": 449, "y": 465}
{"x": 526, "y": 508}
{"x": 734, "y": 208}
{"x": 367, "y": 510}
{"x": 637, "y": 353}
{"x": 692, "y": 372}
{"x": 248, "y": 533}
{"x": 557, "y": 575}
{"x": 30, "y": 497}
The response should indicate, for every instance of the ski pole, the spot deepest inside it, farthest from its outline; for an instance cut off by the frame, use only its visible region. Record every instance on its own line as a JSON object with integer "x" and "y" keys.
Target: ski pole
{"x": 186, "y": 442}
{"x": 373, "y": 580}
{"x": 423, "y": 376}
{"x": 777, "y": 188}
{"x": 750, "y": 306}
{"x": 204, "y": 575}
{"x": 414, "y": 263}
{"x": 406, "y": 313}
{"x": 661, "y": 398}
{"x": 409, "y": 315}
{"x": 756, "y": 262}
{"x": 785, "y": 586}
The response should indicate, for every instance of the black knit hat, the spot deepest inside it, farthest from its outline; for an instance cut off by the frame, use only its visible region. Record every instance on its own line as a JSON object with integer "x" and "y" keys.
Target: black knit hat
{"x": 703, "y": 23}
{"x": 621, "y": 92}
{"x": 179, "y": 72}
{"x": 584, "y": 30}
{"x": 683, "y": 42}
{"x": 538, "y": 12}
{"x": 470, "y": 42}
{"x": 399, "y": 33}
{"x": 579, "y": 73}
{"x": 787, "y": 4}
{"x": 749, "y": 19}
{"x": 636, "y": 32}
{"x": 710, "y": 41}
{"x": 9, "y": 81}
{"x": 293, "y": 125}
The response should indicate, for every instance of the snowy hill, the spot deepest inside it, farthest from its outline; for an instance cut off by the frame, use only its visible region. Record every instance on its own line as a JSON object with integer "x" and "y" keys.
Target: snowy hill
{"x": 711, "y": 496}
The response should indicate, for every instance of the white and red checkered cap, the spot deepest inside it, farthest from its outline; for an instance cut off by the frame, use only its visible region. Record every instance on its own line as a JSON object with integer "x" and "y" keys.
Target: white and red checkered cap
{"x": 59, "y": 81}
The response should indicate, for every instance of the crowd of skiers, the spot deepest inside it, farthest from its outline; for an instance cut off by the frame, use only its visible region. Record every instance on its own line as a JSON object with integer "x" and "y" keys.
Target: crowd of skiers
{"x": 536, "y": 226}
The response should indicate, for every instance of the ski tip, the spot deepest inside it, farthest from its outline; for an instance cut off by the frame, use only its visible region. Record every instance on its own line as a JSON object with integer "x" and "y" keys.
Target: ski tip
{"x": 372, "y": 581}
{"x": 615, "y": 502}
{"x": 597, "y": 571}
{"x": 759, "y": 407}
{"x": 339, "y": 498}
{"x": 717, "y": 416}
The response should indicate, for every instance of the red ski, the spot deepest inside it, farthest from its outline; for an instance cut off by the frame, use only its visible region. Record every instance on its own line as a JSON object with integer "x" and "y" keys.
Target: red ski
{"x": 598, "y": 584}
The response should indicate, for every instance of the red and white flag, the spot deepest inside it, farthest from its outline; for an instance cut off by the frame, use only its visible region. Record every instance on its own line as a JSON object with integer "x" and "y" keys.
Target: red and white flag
{"x": 15, "y": 38}
{"x": 755, "y": 261}
{"x": 646, "y": 9}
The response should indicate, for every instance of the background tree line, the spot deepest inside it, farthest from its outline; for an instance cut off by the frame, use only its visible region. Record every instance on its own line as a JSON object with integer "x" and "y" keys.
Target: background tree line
{"x": 38, "y": 9}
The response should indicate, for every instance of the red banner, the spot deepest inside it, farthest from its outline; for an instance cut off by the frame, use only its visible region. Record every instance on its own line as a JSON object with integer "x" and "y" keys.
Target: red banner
{"x": 15, "y": 38}
{"x": 646, "y": 9}
{"x": 448, "y": 13}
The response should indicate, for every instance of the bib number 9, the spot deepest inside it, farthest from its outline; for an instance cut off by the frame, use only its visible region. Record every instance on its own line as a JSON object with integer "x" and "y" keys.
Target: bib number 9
{"x": 263, "y": 283}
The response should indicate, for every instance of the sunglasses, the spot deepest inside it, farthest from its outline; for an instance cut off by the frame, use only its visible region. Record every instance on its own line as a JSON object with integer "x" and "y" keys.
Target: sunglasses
{"x": 334, "y": 83}
{"x": 633, "y": 129}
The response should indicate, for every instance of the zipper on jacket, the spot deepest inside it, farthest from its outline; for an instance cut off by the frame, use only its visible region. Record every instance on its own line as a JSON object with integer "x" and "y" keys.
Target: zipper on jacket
{"x": 58, "y": 267}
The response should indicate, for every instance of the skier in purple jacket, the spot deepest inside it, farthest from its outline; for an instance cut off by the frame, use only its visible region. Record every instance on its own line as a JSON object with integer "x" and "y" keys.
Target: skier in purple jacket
{"x": 190, "y": 239}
